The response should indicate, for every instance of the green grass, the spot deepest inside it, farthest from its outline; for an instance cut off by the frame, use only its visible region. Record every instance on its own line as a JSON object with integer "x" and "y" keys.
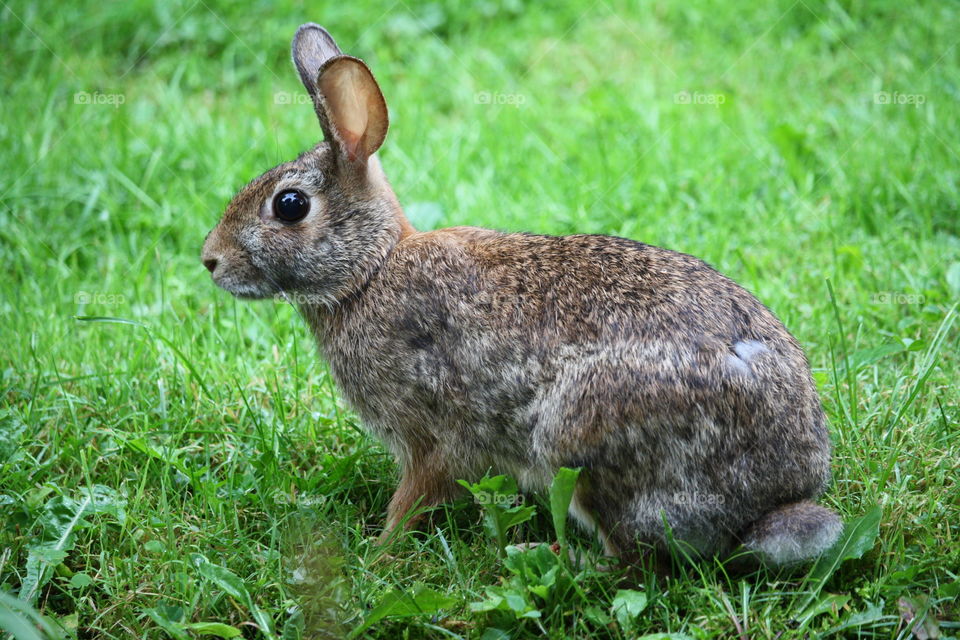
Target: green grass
{"x": 211, "y": 427}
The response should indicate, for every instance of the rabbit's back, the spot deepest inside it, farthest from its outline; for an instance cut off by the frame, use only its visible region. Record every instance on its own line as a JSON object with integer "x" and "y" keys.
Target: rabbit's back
{"x": 671, "y": 385}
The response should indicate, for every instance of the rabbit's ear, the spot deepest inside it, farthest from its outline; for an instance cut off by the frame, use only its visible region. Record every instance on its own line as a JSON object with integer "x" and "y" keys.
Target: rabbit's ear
{"x": 347, "y": 99}
{"x": 353, "y": 107}
{"x": 312, "y": 46}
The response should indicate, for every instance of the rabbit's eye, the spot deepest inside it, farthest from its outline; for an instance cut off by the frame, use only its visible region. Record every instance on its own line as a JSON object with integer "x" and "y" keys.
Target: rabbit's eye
{"x": 291, "y": 205}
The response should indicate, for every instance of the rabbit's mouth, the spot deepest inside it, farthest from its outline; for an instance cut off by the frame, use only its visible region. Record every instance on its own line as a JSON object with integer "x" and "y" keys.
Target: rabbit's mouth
{"x": 245, "y": 286}
{"x": 238, "y": 277}
{"x": 251, "y": 293}
{"x": 247, "y": 291}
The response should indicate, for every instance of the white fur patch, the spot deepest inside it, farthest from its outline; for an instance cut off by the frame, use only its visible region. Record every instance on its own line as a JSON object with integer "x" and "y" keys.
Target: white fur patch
{"x": 738, "y": 365}
{"x": 745, "y": 350}
{"x": 783, "y": 549}
{"x": 748, "y": 349}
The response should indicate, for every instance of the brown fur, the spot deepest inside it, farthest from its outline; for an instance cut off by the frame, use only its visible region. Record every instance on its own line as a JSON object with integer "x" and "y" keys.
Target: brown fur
{"x": 681, "y": 396}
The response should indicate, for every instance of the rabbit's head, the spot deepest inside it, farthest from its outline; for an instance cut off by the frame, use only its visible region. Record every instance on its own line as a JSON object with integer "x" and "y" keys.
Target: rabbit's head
{"x": 318, "y": 226}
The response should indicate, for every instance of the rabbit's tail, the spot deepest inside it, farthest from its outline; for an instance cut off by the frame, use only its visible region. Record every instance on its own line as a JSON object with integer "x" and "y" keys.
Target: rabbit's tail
{"x": 793, "y": 533}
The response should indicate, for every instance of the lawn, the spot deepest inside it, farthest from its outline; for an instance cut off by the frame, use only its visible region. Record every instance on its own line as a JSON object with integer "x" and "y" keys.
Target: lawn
{"x": 175, "y": 462}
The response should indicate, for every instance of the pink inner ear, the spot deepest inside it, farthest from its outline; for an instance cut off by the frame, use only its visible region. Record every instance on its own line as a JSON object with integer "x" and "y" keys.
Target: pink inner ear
{"x": 348, "y": 101}
{"x": 351, "y": 144}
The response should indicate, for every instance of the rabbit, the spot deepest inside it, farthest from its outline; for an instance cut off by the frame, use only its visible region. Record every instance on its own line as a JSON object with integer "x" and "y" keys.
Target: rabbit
{"x": 687, "y": 405}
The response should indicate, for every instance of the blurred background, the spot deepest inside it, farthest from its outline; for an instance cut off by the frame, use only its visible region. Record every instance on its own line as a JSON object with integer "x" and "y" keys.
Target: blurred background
{"x": 128, "y": 126}
{"x": 789, "y": 143}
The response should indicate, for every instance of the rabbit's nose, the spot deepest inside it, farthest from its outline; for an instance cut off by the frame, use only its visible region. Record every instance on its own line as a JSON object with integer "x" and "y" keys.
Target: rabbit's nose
{"x": 210, "y": 264}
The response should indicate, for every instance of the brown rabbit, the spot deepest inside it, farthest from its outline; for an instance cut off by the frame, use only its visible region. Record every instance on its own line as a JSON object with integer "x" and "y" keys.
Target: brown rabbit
{"x": 687, "y": 404}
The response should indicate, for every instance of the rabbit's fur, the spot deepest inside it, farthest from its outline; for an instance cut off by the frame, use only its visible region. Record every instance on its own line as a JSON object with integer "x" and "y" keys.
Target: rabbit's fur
{"x": 687, "y": 404}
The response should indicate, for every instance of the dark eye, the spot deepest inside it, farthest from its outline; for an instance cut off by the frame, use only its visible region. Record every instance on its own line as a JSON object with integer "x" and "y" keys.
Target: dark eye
{"x": 291, "y": 205}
